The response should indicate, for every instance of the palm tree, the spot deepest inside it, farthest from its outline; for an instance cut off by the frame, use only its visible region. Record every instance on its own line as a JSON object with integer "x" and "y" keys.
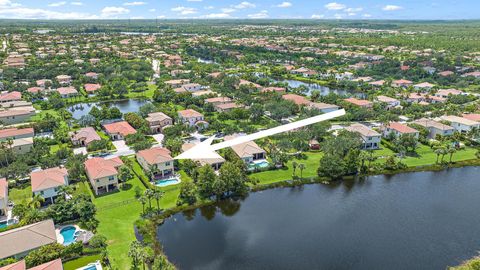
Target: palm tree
{"x": 294, "y": 167}
{"x": 438, "y": 152}
{"x": 301, "y": 167}
{"x": 143, "y": 201}
{"x": 451, "y": 150}
{"x": 36, "y": 201}
{"x": 157, "y": 195}
{"x": 149, "y": 195}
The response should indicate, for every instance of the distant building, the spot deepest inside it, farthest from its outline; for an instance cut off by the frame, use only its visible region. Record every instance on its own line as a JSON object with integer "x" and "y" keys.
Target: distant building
{"x": 192, "y": 117}
{"x": 84, "y": 136}
{"x": 10, "y": 96}
{"x": 22, "y": 139}
{"x": 64, "y": 79}
{"x": 157, "y": 121}
{"x": 461, "y": 124}
{"x": 359, "y": 102}
{"x": 66, "y": 92}
{"x": 391, "y": 102}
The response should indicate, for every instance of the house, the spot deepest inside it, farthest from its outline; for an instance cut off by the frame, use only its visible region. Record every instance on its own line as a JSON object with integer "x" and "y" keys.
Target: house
{"x": 66, "y": 92}
{"x": 84, "y": 136}
{"x": 10, "y": 96}
{"x": 91, "y": 88}
{"x": 15, "y": 60}
{"x": 415, "y": 98}
{"x": 391, "y": 102}
{"x": 46, "y": 183}
{"x": 359, "y": 102}
{"x": 472, "y": 116}
{"x": 157, "y": 121}
{"x": 191, "y": 117}
{"x": 43, "y": 83}
{"x": 445, "y": 93}
{"x": 398, "y": 129}
{"x": 425, "y": 86}
{"x": 191, "y": 87}
{"x": 280, "y": 90}
{"x": 3, "y": 197}
{"x": 52, "y": 265}
{"x": 176, "y": 83}
{"x": 248, "y": 151}
{"x": 297, "y": 99}
{"x": 446, "y": 73}
{"x": 64, "y": 79}
{"x": 249, "y": 84}
{"x": 218, "y": 100}
{"x": 314, "y": 144}
{"x": 119, "y": 130}
{"x": 216, "y": 163}
{"x": 370, "y": 138}
{"x": 26, "y": 239}
{"x": 461, "y": 124}
{"x": 377, "y": 83}
{"x": 91, "y": 75}
{"x": 435, "y": 128}
{"x": 16, "y": 116}
{"x": 323, "y": 107}
{"x": 226, "y": 107}
{"x": 21, "y": 139}
{"x": 402, "y": 83}
{"x": 157, "y": 159}
{"x": 103, "y": 173}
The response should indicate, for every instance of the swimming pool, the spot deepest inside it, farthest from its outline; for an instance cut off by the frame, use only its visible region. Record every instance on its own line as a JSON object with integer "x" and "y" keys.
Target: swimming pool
{"x": 258, "y": 165}
{"x": 167, "y": 182}
{"x": 3, "y": 224}
{"x": 92, "y": 266}
{"x": 69, "y": 235}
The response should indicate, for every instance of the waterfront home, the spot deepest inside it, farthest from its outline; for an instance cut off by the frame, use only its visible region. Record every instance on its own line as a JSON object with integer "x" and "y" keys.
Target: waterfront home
{"x": 216, "y": 163}
{"x": 10, "y": 96}
{"x": 20, "y": 265}
{"x": 425, "y": 86}
{"x": 91, "y": 88}
{"x": 46, "y": 183}
{"x": 391, "y": 102}
{"x": 249, "y": 84}
{"x": 472, "y": 116}
{"x": 157, "y": 121}
{"x": 192, "y": 118}
{"x": 103, "y": 173}
{"x": 21, "y": 139}
{"x": 280, "y": 90}
{"x": 402, "y": 83}
{"x": 66, "y": 92}
{"x": 157, "y": 161}
{"x": 297, "y": 99}
{"x": 461, "y": 124}
{"x": 248, "y": 151}
{"x": 323, "y": 107}
{"x": 3, "y": 197}
{"x": 399, "y": 129}
{"x": 18, "y": 242}
{"x": 64, "y": 79}
{"x": 16, "y": 115}
{"x": 370, "y": 138}
{"x": 119, "y": 130}
{"x": 359, "y": 102}
{"x": 84, "y": 136}
{"x": 435, "y": 128}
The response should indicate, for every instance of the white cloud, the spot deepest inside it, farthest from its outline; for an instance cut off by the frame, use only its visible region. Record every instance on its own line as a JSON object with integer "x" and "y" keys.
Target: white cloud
{"x": 261, "y": 15}
{"x": 367, "y": 15}
{"x": 185, "y": 10}
{"x": 37, "y": 13}
{"x": 161, "y": 17}
{"x": 338, "y": 16}
{"x": 209, "y": 7}
{"x": 392, "y": 8}
{"x": 152, "y": 10}
{"x": 244, "y": 5}
{"x": 114, "y": 11}
{"x": 228, "y": 10}
{"x": 284, "y": 5}
{"x": 8, "y": 3}
{"x": 137, "y": 18}
{"x": 194, "y": 0}
{"x": 76, "y": 3}
{"x": 136, "y": 3}
{"x": 217, "y": 16}
{"x": 57, "y": 4}
{"x": 335, "y": 6}
{"x": 318, "y": 16}
{"x": 354, "y": 9}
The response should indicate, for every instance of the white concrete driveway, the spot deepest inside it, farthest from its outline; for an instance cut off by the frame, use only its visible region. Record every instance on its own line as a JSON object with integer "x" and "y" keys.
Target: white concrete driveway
{"x": 122, "y": 149}
{"x": 159, "y": 139}
{"x": 80, "y": 150}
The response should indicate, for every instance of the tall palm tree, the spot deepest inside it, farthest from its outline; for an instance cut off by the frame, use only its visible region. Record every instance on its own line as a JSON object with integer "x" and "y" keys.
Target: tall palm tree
{"x": 36, "y": 201}
{"x": 157, "y": 195}
{"x": 301, "y": 167}
{"x": 451, "y": 150}
{"x": 143, "y": 201}
{"x": 294, "y": 167}
{"x": 149, "y": 195}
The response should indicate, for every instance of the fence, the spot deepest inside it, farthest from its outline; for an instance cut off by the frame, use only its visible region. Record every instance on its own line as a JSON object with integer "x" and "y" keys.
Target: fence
{"x": 115, "y": 205}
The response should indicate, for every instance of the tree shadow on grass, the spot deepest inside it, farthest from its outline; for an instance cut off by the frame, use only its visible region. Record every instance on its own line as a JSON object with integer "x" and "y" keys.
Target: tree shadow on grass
{"x": 126, "y": 186}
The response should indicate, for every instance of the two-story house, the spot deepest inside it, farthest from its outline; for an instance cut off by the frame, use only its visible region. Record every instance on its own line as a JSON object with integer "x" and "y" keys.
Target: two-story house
{"x": 248, "y": 151}
{"x": 157, "y": 121}
{"x": 103, "y": 173}
{"x": 435, "y": 128}
{"x": 46, "y": 183}
{"x": 119, "y": 130}
{"x": 21, "y": 139}
{"x": 157, "y": 161}
{"x": 371, "y": 139}
{"x": 191, "y": 118}
{"x": 399, "y": 129}
{"x": 461, "y": 124}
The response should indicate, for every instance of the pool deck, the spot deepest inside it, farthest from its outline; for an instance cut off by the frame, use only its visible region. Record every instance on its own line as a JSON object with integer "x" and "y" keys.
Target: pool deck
{"x": 171, "y": 178}
{"x": 59, "y": 228}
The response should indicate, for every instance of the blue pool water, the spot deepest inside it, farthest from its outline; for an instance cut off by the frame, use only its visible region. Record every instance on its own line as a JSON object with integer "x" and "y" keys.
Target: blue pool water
{"x": 258, "y": 165}
{"x": 91, "y": 267}
{"x": 167, "y": 182}
{"x": 3, "y": 225}
{"x": 68, "y": 234}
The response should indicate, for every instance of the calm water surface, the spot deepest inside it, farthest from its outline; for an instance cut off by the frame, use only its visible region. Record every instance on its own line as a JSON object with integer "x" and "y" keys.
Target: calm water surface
{"x": 125, "y": 106}
{"x": 427, "y": 220}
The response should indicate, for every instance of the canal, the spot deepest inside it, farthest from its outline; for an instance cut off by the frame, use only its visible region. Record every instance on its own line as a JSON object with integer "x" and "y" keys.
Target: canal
{"x": 424, "y": 220}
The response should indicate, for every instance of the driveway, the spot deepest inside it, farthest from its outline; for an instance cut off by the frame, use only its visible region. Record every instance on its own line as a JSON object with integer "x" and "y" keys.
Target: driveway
{"x": 80, "y": 150}
{"x": 122, "y": 149}
{"x": 159, "y": 139}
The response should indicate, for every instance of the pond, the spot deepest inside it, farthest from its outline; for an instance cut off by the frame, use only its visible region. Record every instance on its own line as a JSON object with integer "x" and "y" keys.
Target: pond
{"x": 425, "y": 220}
{"x": 125, "y": 106}
{"x": 324, "y": 90}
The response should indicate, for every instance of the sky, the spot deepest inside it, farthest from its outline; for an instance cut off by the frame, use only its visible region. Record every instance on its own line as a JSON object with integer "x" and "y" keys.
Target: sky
{"x": 240, "y": 9}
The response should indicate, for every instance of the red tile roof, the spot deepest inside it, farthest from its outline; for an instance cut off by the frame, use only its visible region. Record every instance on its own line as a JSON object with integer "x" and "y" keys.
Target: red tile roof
{"x": 15, "y": 266}
{"x": 472, "y": 116}
{"x": 155, "y": 155}
{"x": 52, "y": 265}
{"x": 188, "y": 113}
{"x": 12, "y": 132}
{"x": 3, "y": 189}
{"x": 122, "y": 128}
{"x": 7, "y": 96}
{"x": 92, "y": 87}
{"x": 97, "y": 167}
{"x": 297, "y": 99}
{"x": 358, "y": 102}
{"x": 48, "y": 178}
{"x": 402, "y": 128}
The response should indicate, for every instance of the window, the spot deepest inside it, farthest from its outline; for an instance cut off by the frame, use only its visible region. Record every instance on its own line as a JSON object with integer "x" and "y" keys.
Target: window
{"x": 111, "y": 178}
{"x": 167, "y": 163}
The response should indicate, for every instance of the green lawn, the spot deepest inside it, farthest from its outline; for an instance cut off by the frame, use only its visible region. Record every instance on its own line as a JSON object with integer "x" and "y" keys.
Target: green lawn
{"x": 311, "y": 165}
{"x": 427, "y": 156}
{"x": 146, "y": 94}
{"x": 80, "y": 262}
{"x": 20, "y": 196}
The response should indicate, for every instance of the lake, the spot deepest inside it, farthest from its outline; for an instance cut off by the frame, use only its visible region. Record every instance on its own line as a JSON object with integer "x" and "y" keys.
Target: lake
{"x": 425, "y": 220}
{"x": 324, "y": 90}
{"x": 125, "y": 106}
